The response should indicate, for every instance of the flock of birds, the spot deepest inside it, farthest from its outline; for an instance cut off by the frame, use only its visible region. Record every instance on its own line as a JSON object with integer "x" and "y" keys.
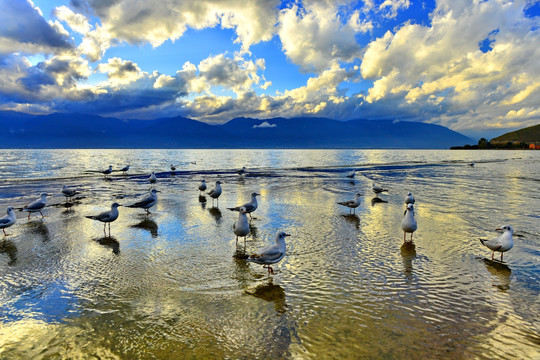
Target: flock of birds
{"x": 265, "y": 256}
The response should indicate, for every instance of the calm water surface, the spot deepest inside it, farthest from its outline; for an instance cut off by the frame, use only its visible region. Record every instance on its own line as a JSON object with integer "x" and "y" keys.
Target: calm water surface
{"x": 167, "y": 286}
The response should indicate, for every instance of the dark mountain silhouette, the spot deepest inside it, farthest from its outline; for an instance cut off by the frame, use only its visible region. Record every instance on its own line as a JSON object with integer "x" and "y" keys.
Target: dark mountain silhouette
{"x": 91, "y": 131}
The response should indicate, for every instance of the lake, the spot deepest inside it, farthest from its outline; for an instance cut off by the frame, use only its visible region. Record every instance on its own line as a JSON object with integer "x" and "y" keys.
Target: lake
{"x": 167, "y": 285}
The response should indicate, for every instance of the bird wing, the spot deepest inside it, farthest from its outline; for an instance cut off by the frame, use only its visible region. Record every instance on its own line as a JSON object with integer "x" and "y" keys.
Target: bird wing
{"x": 35, "y": 205}
{"x": 142, "y": 203}
{"x": 4, "y": 220}
{"x": 346, "y": 203}
{"x": 493, "y": 244}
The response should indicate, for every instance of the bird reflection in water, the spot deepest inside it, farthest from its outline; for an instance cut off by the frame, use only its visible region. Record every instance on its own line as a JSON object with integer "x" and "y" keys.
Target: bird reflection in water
{"x": 353, "y": 219}
{"x": 271, "y": 293}
{"x": 40, "y": 229}
{"x": 377, "y": 200}
{"x": 216, "y": 213}
{"x": 8, "y": 247}
{"x": 149, "y": 225}
{"x": 501, "y": 271}
{"x": 408, "y": 252}
{"x": 110, "y": 242}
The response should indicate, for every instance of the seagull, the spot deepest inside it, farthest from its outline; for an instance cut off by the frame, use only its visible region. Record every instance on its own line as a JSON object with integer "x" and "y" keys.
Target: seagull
{"x": 202, "y": 186}
{"x": 108, "y": 171}
{"x": 125, "y": 169}
{"x": 250, "y": 206}
{"x": 37, "y": 205}
{"x": 107, "y": 217}
{"x": 215, "y": 192}
{"x": 351, "y": 174}
{"x": 471, "y": 164}
{"x": 242, "y": 171}
{"x": 7, "y": 220}
{"x": 408, "y": 224}
{"x": 152, "y": 179}
{"x": 68, "y": 193}
{"x": 173, "y": 168}
{"x": 377, "y": 189}
{"x": 241, "y": 226}
{"x": 502, "y": 243}
{"x": 270, "y": 254}
{"x": 352, "y": 204}
{"x": 409, "y": 199}
{"x": 147, "y": 202}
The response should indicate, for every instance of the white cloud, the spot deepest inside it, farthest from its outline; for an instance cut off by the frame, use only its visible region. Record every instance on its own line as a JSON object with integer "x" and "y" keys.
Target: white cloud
{"x": 137, "y": 22}
{"x": 315, "y": 37}
{"x": 441, "y": 69}
{"x": 264, "y": 124}
{"x": 120, "y": 72}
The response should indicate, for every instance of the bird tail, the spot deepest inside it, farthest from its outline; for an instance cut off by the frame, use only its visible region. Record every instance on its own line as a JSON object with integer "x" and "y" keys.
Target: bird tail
{"x": 482, "y": 241}
{"x": 233, "y": 209}
{"x": 90, "y": 217}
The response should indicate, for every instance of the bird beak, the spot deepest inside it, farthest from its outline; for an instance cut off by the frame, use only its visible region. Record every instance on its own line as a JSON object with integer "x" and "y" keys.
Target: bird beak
{"x": 288, "y": 235}
{"x": 499, "y": 229}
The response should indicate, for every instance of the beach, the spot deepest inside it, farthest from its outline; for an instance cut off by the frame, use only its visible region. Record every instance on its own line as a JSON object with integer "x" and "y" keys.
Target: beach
{"x": 167, "y": 285}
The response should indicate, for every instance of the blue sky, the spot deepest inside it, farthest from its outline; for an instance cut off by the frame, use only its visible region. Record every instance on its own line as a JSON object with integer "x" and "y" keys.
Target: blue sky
{"x": 471, "y": 66}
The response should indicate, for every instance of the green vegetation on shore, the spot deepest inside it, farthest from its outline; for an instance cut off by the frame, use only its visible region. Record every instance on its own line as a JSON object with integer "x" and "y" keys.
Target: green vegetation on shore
{"x": 527, "y": 138}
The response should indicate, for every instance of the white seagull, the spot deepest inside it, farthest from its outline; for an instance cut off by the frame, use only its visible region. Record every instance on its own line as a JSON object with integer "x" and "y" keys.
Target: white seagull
{"x": 377, "y": 189}
{"x": 108, "y": 171}
{"x": 147, "y": 202}
{"x": 68, "y": 193}
{"x": 7, "y": 220}
{"x": 409, "y": 199}
{"x": 270, "y": 254}
{"x": 152, "y": 179}
{"x": 125, "y": 169}
{"x": 242, "y": 171}
{"x": 215, "y": 192}
{"x": 107, "y": 217}
{"x": 351, "y": 174}
{"x": 501, "y": 243}
{"x": 408, "y": 224}
{"x": 250, "y": 206}
{"x": 202, "y": 186}
{"x": 37, "y": 205}
{"x": 352, "y": 204}
{"x": 241, "y": 226}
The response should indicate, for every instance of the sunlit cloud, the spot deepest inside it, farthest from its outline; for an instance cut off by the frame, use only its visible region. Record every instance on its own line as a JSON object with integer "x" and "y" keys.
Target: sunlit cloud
{"x": 461, "y": 64}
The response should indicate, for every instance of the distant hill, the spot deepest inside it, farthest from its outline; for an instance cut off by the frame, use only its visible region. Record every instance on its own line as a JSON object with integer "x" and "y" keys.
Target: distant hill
{"x": 529, "y": 135}
{"x": 91, "y": 131}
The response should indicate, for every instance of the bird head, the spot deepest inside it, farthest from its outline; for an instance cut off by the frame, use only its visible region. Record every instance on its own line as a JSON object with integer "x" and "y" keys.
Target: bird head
{"x": 10, "y": 208}
{"x": 282, "y": 235}
{"x": 115, "y": 205}
{"x": 254, "y": 194}
{"x": 506, "y": 228}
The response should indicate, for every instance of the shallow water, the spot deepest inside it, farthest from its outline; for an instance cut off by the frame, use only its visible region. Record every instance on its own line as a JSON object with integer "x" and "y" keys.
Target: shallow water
{"x": 167, "y": 286}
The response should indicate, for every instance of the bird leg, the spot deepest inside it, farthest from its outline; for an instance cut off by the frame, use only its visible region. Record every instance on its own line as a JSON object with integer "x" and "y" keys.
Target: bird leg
{"x": 501, "y": 256}
{"x": 29, "y": 215}
{"x": 404, "y": 236}
{"x": 4, "y": 230}
{"x": 492, "y": 255}
{"x": 42, "y": 216}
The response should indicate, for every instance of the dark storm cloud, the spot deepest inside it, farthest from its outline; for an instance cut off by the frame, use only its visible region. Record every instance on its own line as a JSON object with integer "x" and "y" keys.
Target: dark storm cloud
{"x": 23, "y": 29}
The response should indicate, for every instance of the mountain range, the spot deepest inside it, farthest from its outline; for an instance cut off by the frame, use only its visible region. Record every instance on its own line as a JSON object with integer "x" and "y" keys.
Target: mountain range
{"x": 91, "y": 131}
